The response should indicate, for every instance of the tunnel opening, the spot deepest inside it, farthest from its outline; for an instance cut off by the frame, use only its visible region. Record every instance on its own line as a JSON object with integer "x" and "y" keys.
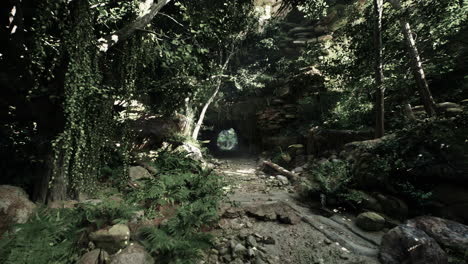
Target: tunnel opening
{"x": 227, "y": 140}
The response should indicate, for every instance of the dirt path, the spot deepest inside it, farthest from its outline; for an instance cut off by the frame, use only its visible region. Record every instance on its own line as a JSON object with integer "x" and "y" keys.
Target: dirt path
{"x": 264, "y": 223}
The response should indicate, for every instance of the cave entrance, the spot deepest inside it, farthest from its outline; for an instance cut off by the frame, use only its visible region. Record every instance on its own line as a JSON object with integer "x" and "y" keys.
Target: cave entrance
{"x": 227, "y": 140}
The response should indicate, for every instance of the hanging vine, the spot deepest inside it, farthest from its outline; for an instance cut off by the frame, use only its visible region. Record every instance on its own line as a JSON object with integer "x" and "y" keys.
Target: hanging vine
{"x": 87, "y": 109}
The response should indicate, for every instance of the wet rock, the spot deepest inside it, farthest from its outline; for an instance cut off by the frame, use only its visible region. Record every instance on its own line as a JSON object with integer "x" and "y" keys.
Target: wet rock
{"x": 406, "y": 244}
{"x": 449, "y": 234}
{"x": 112, "y": 239}
{"x": 95, "y": 256}
{"x": 133, "y": 254}
{"x": 15, "y": 207}
{"x": 370, "y": 221}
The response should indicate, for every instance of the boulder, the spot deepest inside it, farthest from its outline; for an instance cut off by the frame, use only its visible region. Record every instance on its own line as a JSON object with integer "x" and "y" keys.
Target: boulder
{"x": 138, "y": 174}
{"x": 192, "y": 151}
{"x": 133, "y": 254}
{"x": 449, "y": 234}
{"x": 95, "y": 256}
{"x": 15, "y": 207}
{"x": 393, "y": 206}
{"x": 112, "y": 239}
{"x": 452, "y": 201}
{"x": 370, "y": 221}
{"x": 320, "y": 139}
{"x": 367, "y": 201}
{"x": 406, "y": 244}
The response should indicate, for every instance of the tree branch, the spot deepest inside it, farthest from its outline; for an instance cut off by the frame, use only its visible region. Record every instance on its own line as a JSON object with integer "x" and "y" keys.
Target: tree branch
{"x": 148, "y": 11}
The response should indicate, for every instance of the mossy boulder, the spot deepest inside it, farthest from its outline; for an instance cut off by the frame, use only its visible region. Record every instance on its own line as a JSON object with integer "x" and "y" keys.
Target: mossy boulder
{"x": 370, "y": 221}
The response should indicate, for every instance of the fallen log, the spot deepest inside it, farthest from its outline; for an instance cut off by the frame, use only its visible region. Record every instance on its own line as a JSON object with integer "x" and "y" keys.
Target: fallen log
{"x": 290, "y": 175}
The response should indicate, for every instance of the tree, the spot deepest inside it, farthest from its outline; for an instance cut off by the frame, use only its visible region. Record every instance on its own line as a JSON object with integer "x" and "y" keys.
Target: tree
{"x": 379, "y": 76}
{"x": 416, "y": 63}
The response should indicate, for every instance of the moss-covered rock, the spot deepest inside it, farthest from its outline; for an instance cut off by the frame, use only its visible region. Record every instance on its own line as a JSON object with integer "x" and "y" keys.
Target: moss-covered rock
{"x": 370, "y": 221}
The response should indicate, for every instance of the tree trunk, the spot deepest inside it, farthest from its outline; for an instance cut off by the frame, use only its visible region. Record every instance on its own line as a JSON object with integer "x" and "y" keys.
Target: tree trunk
{"x": 409, "y": 112}
{"x": 416, "y": 64}
{"x": 203, "y": 112}
{"x": 148, "y": 10}
{"x": 379, "y": 76}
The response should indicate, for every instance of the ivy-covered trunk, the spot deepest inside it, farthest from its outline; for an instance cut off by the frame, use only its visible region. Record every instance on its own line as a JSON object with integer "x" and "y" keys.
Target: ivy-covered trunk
{"x": 379, "y": 76}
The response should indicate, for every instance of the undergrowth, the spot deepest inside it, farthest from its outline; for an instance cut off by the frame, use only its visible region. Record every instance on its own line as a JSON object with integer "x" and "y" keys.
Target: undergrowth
{"x": 49, "y": 237}
{"x": 193, "y": 194}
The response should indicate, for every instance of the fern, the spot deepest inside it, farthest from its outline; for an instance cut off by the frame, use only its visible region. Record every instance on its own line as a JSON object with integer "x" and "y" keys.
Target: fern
{"x": 172, "y": 248}
{"x": 108, "y": 212}
{"x": 50, "y": 237}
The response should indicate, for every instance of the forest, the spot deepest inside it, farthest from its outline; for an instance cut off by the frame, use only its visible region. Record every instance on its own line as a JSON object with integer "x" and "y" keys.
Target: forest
{"x": 246, "y": 131}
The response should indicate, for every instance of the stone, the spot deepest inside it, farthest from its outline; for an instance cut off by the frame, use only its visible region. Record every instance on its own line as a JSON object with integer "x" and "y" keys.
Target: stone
{"x": 63, "y": 204}
{"x": 370, "y": 221}
{"x": 239, "y": 250}
{"x": 138, "y": 174}
{"x": 406, "y": 244}
{"x": 95, "y": 256}
{"x": 251, "y": 252}
{"x": 393, "y": 206}
{"x": 192, "y": 151}
{"x": 133, "y": 254}
{"x": 112, "y": 239}
{"x": 282, "y": 179}
{"x": 15, "y": 207}
{"x": 251, "y": 241}
{"x": 269, "y": 240}
{"x": 449, "y": 234}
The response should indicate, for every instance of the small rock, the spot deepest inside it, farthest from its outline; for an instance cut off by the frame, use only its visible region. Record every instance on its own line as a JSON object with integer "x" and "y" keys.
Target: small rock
{"x": 133, "y": 254}
{"x": 226, "y": 258}
{"x": 370, "y": 221}
{"x": 282, "y": 179}
{"x": 327, "y": 241}
{"x": 239, "y": 250}
{"x": 95, "y": 256}
{"x": 251, "y": 252}
{"x": 112, "y": 239}
{"x": 251, "y": 241}
{"x": 269, "y": 240}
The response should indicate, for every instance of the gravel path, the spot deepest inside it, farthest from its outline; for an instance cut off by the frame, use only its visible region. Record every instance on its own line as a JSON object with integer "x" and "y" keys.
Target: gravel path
{"x": 264, "y": 223}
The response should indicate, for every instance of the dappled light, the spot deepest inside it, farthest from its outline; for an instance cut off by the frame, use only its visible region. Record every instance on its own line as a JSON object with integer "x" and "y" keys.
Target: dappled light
{"x": 233, "y": 131}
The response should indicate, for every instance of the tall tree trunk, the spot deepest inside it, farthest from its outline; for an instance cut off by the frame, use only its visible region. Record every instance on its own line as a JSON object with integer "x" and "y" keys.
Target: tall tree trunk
{"x": 416, "y": 63}
{"x": 196, "y": 130}
{"x": 379, "y": 76}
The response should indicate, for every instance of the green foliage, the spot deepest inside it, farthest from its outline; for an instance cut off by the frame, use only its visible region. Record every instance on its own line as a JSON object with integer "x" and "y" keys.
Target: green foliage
{"x": 49, "y": 237}
{"x": 175, "y": 249}
{"x": 332, "y": 179}
{"x": 193, "y": 193}
{"x": 420, "y": 153}
{"x": 176, "y": 162}
{"x": 108, "y": 212}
